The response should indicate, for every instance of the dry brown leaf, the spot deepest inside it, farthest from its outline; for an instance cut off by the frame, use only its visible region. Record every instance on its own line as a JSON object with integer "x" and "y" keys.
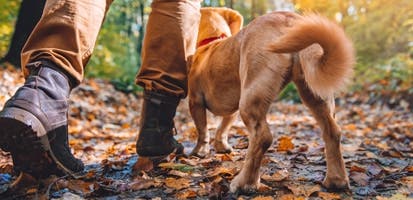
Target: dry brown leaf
{"x": 263, "y": 198}
{"x": 409, "y": 168}
{"x": 285, "y": 144}
{"x": 84, "y": 188}
{"x": 141, "y": 184}
{"x": 186, "y": 194}
{"x": 177, "y": 184}
{"x": 193, "y": 161}
{"x": 178, "y": 173}
{"x": 303, "y": 190}
{"x": 143, "y": 164}
{"x": 328, "y": 195}
{"x": 360, "y": 178}
{"x": 224, "y": 157}
{"x": 262, "y": 188}
{"x": 356, "y": 168}
{"x": 290, "y": 197}
{"x": 277, "y": 176}
{"x": 227, "y": 172}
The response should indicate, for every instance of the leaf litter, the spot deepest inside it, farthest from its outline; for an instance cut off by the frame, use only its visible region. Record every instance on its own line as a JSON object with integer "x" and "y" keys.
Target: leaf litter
{"x": 377, "y": 147}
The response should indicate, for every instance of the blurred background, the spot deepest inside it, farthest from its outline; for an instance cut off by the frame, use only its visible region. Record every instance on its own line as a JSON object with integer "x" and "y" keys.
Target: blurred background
{"x": 382, "y": 31}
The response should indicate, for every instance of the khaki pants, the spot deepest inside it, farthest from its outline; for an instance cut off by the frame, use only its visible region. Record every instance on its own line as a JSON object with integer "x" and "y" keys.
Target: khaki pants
{"x": 67, "y": 32}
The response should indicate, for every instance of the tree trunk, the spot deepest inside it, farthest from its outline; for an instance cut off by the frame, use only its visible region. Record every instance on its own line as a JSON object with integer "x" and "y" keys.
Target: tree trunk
{"x": 29, "y": 14}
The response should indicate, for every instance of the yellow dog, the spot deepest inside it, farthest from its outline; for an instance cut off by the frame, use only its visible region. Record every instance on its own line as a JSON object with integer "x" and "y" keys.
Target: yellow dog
{"x": 234, "y": 69}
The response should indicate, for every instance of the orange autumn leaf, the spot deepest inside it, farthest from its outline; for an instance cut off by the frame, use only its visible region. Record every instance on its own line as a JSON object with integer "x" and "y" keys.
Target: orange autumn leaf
{"x": 263, "y": 198}
{"x": 228, "y": 172}
{"x": 355, "y": 168}
{"x": 186, "y": 194}
{"x": 350, "y": 127}
{"x": 328, "y": 195}
{"x": 285, "y": 144}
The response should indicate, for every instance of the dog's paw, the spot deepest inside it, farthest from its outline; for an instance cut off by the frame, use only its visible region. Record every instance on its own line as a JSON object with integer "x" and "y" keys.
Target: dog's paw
{"x": 222, "y": 147}
{"x": 336, "y": 183}
{"x": 240, "y": 184}
{"x": 200, "y": 150}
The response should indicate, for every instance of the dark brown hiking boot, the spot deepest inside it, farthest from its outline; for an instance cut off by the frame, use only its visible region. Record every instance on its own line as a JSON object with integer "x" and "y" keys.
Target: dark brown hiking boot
{"x": 33, "y": 123}
{"x": 156, "y": 136}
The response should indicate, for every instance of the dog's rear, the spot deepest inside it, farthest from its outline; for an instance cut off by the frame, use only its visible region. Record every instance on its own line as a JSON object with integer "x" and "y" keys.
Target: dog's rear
{"x": 327, "y": 66}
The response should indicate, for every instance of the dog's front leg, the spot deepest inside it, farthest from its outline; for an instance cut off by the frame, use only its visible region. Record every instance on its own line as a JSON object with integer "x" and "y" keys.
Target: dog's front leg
{"x": 221, "y": 137}
{"x": 198, "y": 113}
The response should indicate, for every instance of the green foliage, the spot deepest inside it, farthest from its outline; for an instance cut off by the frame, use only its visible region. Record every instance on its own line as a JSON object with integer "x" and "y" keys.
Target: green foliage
{"x": 117, "y": 51}
{"x": 290, "y": 93}
{"x": 8, "y": 16}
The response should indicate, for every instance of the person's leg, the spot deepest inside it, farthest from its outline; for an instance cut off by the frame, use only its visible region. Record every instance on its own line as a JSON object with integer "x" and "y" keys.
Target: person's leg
{"x": 170, "y": 38}
{"x": 33, "y": 123}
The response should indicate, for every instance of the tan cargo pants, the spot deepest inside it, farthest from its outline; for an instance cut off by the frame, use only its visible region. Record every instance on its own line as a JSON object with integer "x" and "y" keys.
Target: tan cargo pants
{"x": 67, "y": 32}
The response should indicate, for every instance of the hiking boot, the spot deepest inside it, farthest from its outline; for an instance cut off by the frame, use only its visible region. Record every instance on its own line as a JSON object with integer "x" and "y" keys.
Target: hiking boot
{"x": 156, "y": 136}
{"x": 33, "y": 123}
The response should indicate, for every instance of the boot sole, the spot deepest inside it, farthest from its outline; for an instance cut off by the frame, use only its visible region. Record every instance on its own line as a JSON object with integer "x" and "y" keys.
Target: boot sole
{"x": 24, "y": 136}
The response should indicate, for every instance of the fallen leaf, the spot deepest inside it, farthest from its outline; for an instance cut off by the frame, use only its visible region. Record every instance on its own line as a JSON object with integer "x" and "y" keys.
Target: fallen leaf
{"x": 218, "y": 188}
{"x": 178, "y": 173}
{"x": 263, "y": 198}
{"x": 143, "y": 164}
{"x": 360, "y": 178}
{"x": 85, "y": 188}
{"x": 224, "y": 157}
{"x": 328, "y": 195}
{"x": 177, "y": 184}
{"x": 226, "y": 172}
{"x": 141, "y": 184}
{"x": 193, "y": 161}
{"x": 303, "y": 190}
{"x": 374, "y": 169}
{"x": 356, "y": 168}
{"x": 277, "y": 176}
{"x": 290, "y": 197}
{"x": 285, "y": 144}
{"x": 262, "y": 188}
{"x": 186, "y": 194}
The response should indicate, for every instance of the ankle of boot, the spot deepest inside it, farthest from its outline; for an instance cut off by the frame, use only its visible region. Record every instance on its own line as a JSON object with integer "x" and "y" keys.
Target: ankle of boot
{"x": 159, "y": 98}
{"x": 35, "y": 66}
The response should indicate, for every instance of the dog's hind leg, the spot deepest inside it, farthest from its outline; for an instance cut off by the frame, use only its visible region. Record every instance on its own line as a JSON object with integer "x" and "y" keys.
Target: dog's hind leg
{"x": 259, "y": 88}
{"x": 221, "y": 137}
{"x": 323, "y": 112}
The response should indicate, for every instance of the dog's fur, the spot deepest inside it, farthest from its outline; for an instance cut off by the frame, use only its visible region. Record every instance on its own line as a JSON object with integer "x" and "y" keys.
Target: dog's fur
{"x": 247, "y": 70}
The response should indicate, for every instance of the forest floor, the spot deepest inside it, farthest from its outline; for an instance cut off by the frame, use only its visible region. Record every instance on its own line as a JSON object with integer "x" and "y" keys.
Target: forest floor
{"x": 377, "y": 144}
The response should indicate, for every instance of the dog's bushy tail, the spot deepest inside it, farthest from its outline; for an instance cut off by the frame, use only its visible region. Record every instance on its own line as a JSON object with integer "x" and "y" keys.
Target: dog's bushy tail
{"x": 326, "y": 69}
